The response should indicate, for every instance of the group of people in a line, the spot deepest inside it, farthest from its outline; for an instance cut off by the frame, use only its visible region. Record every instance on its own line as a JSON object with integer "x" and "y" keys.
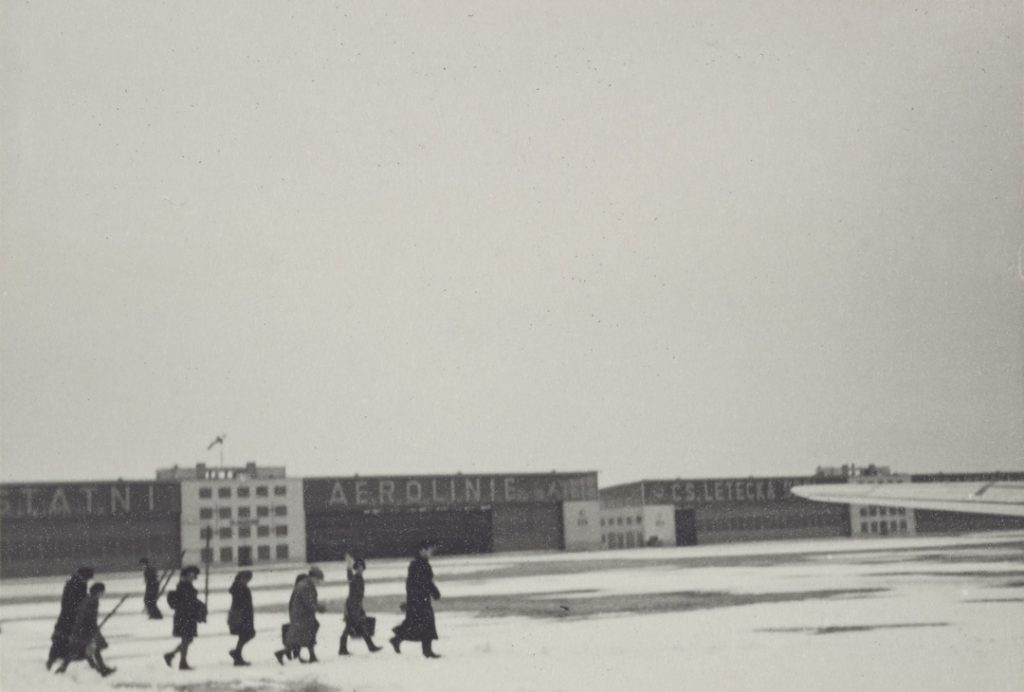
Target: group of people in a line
{"x": 77, "y": 634}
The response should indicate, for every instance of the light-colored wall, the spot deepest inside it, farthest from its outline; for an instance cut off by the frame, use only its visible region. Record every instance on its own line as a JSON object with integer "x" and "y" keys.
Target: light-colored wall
{"x": 192, "y": 523}
{"x": 582, "y": 525}
{"x": 623, "y": 527}
{"x": 870, "y": 520}
{"x": 660, "y": 523}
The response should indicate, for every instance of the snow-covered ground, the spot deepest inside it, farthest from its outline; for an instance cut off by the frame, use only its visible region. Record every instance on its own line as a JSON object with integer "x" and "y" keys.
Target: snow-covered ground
{"x": 892, "y": 614}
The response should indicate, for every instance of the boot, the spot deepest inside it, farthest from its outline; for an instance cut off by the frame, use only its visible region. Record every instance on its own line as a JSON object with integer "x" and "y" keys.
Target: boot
{"x": 183, "y": 665}
{"x": 279, "y": 655}
{"x": 236, "y": 657}
{"x": 168, "y": 658}
{"x": 371, "y": 646}
{"x": 343, "y": 645}
{"x": 428, "y": 650}
{"x": 106, "y": 670}
{"x": 396, "y": 644}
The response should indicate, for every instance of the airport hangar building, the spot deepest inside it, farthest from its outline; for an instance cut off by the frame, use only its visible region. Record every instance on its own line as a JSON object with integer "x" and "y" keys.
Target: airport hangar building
{"x": 255, "y": 515}
{"x": 723, "y": 510}
{"x": 387, "y": 516}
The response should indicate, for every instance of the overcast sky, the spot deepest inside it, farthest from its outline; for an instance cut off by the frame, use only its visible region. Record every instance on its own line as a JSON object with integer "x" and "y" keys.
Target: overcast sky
{"x": 652, "y": 239}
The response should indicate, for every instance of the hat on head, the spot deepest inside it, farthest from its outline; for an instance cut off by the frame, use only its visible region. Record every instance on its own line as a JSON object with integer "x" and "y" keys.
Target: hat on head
{"x": 191, "y": 569}
{"x": 316, "y": 573}
{"x": 98, "y": 587}
{"x": 360, "y": 563}
{"x": 85, "y": 572}
{"x": 428, "y": 543}
{"x": 144, "y": 561}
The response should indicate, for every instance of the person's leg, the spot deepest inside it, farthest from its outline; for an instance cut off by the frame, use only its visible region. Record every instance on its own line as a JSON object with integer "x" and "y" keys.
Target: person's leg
{"x": 183, "y": 661}
{"x": 343, "y": 644}
{"x": 169, "y": 656}
{"x": 370, "y": 645}
{"x": 428, "y": 649}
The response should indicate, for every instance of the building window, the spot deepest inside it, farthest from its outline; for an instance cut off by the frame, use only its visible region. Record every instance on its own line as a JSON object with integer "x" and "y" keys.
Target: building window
{"x": 263, "y": 532}
{"x": 225, "y": 555}
{"x": 280, "y": 511}
{"x": 263, "y": 551}
{"x": 639, "y": 519}
{"x": 903, "y": 524}
{"x": 263, "y": 511}
{"x": 874, "y": 527}
{"x": 244, "y": 531}
{"x": 602, "y": 524}
{"x": 282, "y": 552}
{"x": 618, "y": 520}
{"x": 903, "y": 510}
{"x": 243, "y": 491}
{"x": 603, "y": 538}
{"x": 224, "y": 532}
{"x": 224, "y": 512}
{"x": 202, "y": 534}
{"x": 206, "y": 555}
{"x": 280, "y": 490}
{"x": 224, "y": 491}
{"x": 863, "y": 511}
{"x": 206, "y": 513}
{"x": 205, "y": 493}
{"x": 864, "y": 527}
{"x": 244, "y": 512}
{"x": 280, "y": 530}
{"x": 261, "y": 491}
{"x": 629, "y": 521}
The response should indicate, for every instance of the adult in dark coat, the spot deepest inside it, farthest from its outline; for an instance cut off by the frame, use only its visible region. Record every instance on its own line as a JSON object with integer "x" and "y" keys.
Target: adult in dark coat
{"x": 75, "y": 591}
{"x": 86, "y": 642}
{"x": 188, "y": 612}
{"x": 152, "y": 590}
{"x": 240, "y": 617}
{"x": 302, "y": 622}
{"x": 356, "y": 622}
{"x": 418, "y": 625}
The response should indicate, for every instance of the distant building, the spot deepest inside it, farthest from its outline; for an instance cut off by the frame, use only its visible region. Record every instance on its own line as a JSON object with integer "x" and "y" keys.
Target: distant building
{"x": 688, "y": 512}
{"x": 386, "y": 516}
{"x": 53, "y": 528}
{"x": 871, "y": 520}
{"x": 254, "y": 515}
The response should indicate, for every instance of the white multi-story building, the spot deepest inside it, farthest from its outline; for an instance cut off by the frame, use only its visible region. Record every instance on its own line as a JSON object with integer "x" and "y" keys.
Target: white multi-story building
{"x": 240, "y": 516}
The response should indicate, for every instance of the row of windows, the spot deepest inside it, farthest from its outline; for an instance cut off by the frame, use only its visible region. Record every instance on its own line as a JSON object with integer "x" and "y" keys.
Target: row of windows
{"x": 246, "y": 531}
{"x": 243, "y": 512}
{"x": 629, "y": 539}
{"x": 618, "y": 521}
{"x": 206, "y": 492}
{"x": 882, "y": 511}
{"x": 884, "y": 527}
{"x": 262, "y": 553}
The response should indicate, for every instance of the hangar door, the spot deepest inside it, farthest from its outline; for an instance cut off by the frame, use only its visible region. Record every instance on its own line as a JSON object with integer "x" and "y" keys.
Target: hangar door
{"x": 396, "y": 534}
{"x": 535, "y": 526}
{"x": 686, "y": 527}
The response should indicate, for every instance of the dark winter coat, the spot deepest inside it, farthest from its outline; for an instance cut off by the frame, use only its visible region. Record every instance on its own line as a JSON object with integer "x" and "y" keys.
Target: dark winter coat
{"x": 355, "y": 616}
{"x": 75, "y": 591}
{"x": 152, "y": 583}
{"x": 419, "y": 609}
{"x": 302, "y": 609}
{"x": 188, "y": 610}
{"x": 240, "y": 617}
{"x": 85, "y": 627}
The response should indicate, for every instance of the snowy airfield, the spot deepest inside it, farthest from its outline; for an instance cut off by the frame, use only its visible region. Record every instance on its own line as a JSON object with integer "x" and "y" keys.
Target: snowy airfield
{"x": 872, "y": 614}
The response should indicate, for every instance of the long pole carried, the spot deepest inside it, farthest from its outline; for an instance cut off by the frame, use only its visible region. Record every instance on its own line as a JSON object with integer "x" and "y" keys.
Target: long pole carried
{"x": 111, "y": 613}
{"x": 165, "y": 578}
